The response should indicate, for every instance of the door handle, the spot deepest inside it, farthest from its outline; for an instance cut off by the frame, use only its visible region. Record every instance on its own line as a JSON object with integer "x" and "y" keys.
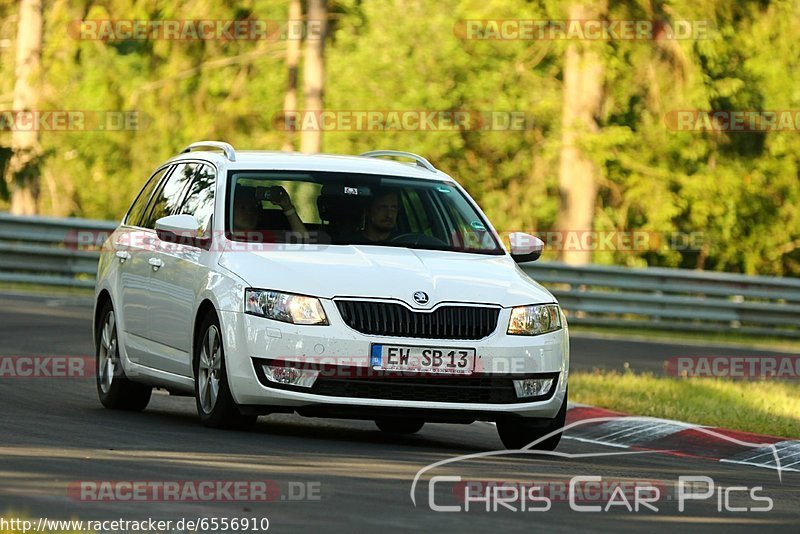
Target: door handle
{"x": 155, "y": 263}
{"x": 123, "y": 255}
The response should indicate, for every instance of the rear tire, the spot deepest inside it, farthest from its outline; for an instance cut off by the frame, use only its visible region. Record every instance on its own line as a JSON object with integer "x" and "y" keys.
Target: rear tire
{"x": 115, "y": 390}
{"x": 518, "y": 433}
{"x": 399, "y": 426}
{"x": 215, "y": 404}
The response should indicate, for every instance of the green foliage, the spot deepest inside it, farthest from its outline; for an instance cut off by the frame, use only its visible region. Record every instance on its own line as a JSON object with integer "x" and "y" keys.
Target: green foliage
{"x": 741, "y": 191}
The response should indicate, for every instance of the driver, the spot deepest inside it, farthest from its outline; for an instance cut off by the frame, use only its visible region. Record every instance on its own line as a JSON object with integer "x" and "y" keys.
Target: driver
{"x": 381, "y": 217}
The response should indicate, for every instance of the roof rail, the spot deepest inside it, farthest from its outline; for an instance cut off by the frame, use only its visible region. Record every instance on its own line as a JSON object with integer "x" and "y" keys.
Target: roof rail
{"x": 422, "y": 162}
{"x": 226, "y": 148}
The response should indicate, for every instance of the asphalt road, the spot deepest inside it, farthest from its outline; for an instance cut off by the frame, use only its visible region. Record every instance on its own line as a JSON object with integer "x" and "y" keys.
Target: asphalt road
{"x": 54, "y": 436}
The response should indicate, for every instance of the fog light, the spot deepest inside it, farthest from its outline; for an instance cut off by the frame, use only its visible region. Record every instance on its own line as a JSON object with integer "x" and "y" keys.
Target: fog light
{"x": 291, "y": 376}
{"x": 533, "y": 387}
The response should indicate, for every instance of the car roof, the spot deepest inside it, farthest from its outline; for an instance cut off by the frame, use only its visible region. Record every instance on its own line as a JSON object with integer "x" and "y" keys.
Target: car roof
{"x": 257, "y": 160}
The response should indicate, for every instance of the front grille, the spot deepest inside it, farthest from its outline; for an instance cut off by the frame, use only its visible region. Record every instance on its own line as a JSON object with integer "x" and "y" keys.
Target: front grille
{"x": 481, "y": 390}
{"x": 484, "y": 389}
{"x": 392, "y": 319}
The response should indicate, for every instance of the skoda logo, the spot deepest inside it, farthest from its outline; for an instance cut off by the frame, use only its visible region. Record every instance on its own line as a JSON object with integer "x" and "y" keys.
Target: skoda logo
{"x": 420, "y": 297}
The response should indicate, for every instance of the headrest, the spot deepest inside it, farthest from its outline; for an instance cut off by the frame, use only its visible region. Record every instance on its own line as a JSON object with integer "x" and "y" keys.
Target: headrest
{"x": 340, "y": 201}
{"x": 244, "y": 193}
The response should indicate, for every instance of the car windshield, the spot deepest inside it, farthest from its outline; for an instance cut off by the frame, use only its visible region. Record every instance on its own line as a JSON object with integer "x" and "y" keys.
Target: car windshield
{"x": 354, "y": 209}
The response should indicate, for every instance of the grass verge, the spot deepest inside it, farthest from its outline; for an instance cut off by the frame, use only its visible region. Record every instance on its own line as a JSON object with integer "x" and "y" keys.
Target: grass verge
{"x": 764, "y": 407}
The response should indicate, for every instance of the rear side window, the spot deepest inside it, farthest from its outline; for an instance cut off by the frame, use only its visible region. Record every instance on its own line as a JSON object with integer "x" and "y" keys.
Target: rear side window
{"x": 139, "y": 206}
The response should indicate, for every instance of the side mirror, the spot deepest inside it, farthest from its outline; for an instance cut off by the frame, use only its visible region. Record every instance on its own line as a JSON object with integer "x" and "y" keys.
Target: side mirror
{"x": 181, "y": 229}
{"x": 525, "y": 247}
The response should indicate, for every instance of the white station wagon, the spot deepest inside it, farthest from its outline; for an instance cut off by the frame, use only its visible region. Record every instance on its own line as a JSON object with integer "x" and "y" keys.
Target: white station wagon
{"x": 330, "y": 286}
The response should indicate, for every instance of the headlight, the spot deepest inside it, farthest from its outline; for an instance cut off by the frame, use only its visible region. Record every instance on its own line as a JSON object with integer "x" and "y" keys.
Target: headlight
{"x": 534, "y": 320}
{"x": 296, "y": 309}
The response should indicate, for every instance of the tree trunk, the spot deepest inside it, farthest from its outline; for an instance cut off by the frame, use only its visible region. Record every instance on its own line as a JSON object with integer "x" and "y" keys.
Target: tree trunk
{"x": 22, "y": 173}
{"x": 314, "y": 72}
{"x": 292, "y": 60}
{"x": 583, "y": 95}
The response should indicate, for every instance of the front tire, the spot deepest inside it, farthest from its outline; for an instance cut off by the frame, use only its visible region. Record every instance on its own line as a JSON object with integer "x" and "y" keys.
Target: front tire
{"x": 115, "y": 390}
{"x": 215, "y": 404}
{"x": 518, "y": 433}
{"x": 399, "y": 426}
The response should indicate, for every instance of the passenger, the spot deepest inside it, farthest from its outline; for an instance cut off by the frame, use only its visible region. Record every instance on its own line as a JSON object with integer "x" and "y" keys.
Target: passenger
{"x": 278, "y": 196}
{"x": 247, "y": 203}
{"x": 247, "y": 211}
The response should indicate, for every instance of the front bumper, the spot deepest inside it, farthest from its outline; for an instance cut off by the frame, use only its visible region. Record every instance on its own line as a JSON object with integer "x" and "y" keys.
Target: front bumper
{"x": 250, "y": 340}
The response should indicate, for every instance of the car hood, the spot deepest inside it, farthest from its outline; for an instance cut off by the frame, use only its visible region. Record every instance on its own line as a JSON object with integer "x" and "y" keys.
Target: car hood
{"x": 387, "y": 272}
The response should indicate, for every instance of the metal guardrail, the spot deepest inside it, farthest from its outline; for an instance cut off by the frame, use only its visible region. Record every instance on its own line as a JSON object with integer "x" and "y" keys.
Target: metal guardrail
{"x": 674, "y": 299}
{"x": 51, "y": 251}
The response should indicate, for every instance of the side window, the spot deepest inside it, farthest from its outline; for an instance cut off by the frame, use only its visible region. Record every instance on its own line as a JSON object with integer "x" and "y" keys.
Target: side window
{"x": 417, "y": 216}
{"x": 199, "y": 200}
{"x": 466, "y": 234}
{"x": 139, "y": 206}
{"x": 167, "y": 198}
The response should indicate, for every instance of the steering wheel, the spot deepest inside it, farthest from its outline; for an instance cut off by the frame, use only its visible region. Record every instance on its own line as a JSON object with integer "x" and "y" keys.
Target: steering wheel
{"x": 417, "y": 239}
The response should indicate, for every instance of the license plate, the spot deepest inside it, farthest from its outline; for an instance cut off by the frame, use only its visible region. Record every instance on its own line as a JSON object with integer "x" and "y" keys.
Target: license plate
{"x": 435, "y": 360}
